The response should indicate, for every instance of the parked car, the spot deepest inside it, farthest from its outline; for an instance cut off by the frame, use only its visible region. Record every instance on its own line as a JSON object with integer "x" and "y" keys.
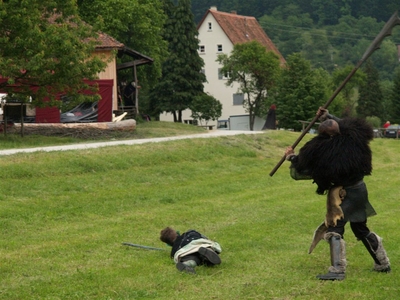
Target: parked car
{"x": 393, "y": 131}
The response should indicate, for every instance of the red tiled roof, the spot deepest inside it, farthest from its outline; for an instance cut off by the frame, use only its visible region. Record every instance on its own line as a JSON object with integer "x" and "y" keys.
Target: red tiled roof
{"x": 242, "y": 29}
{"x": 107, "y": 42}
{"x": 104, "y": 40}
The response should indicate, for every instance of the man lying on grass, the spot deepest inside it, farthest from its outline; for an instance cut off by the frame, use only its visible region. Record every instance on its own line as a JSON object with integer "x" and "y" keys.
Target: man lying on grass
{"x": 191, "y": 249}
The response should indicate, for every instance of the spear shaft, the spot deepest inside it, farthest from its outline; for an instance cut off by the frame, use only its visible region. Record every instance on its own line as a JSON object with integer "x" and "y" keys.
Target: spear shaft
{"x": 143, "y": 247}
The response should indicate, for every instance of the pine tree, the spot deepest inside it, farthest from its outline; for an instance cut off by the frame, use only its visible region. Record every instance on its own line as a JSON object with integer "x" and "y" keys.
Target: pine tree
{"x": 299, "y": 93}
{"x": 370, "y": 97}
{"x": 182, "y": 79}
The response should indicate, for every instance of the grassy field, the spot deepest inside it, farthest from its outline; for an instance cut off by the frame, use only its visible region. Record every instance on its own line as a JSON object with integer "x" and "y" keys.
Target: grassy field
{"x": 143, "y": 130}
{"x": 64, "y": 216}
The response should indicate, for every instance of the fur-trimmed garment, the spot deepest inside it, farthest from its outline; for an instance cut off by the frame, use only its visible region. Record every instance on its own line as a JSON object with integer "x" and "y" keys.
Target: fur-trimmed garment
{"x": 340, "y": 160}
{"x": 333, "y": 210}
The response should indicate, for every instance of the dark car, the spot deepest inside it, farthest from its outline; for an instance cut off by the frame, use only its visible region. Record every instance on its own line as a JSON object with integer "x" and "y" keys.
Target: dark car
{"x": 393, "y": 131}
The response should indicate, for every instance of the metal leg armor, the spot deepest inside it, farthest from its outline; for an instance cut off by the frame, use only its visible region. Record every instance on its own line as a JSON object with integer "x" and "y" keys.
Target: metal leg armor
{"x": 338, "y": 258}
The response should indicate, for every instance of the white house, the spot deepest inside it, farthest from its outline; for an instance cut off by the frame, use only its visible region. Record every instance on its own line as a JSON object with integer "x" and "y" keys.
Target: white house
{"x": 218, "y": 33}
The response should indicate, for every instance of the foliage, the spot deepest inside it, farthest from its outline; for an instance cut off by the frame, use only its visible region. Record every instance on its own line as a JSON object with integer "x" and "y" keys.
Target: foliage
{"x": 135, "y": 23}
{"x": 205, "y": 107}
{"x": 46, "y": 50}
{"x": 395, "y": 98}
{"x": 374, "y": 121}
{"x": 256, "y": 70}
{"x": 348, "y": 92}
{"x": 299, "y": 92}
{"x": 330, "y": 34}
{"x": 181, "y": 79}
{"x": 370, "y": 99}
{"x": 65, "y": 214}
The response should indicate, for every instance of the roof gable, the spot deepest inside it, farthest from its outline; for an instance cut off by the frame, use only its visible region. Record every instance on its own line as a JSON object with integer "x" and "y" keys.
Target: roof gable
{"x": 107, "y": 42}
{"x": 241, "y": 29}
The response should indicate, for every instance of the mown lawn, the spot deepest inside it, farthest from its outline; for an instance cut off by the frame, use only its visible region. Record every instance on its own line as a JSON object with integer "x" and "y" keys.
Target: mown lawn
{"x": 64, "y": 216}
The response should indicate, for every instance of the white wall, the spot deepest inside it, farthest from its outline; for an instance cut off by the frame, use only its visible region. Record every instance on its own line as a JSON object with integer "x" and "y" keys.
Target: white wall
{"x": 216, "y": 87}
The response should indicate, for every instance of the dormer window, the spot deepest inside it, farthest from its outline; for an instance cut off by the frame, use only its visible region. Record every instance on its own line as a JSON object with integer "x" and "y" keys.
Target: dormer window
{"x": 209, "y": 26}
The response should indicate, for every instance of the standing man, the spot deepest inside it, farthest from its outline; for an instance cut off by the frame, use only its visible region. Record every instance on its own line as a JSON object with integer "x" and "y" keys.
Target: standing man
{"x": 340, "y": 156}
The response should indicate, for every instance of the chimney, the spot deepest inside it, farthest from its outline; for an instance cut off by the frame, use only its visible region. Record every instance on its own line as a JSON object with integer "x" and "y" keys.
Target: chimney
{"x": 234, "y": 12}
{"x": 213, "y": 8}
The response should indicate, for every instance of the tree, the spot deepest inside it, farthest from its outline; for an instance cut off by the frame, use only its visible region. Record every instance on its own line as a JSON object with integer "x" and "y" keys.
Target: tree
{"x": 348, "y": 92}
{"x": 182, "y": 79}
{"x": 45, "y": 50}
{"x": 395, "y": 97}
{"x": 256, "y": 70}
{"x": 299, "y": 92}
{"x": 370, "y": 99}
{"x": 135, "y": 23}
{"x": 205, "y": 107}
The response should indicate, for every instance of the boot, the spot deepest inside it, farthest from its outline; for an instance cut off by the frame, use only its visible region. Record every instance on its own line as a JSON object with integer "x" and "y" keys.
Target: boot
{"x": 186, "y": 267}
{"x": 209, "y": 256}
{"x": 188, "y": 263}
{"x": 338, "y": 258}
{"x": 373, "y": 243}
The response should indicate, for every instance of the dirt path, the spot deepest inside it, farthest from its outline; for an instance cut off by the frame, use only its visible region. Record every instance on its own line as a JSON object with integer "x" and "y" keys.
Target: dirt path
{"x": 209, "y": 134}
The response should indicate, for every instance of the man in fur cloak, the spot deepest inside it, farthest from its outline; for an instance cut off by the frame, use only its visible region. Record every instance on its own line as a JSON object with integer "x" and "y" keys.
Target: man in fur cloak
{"x": 338, "y": 158}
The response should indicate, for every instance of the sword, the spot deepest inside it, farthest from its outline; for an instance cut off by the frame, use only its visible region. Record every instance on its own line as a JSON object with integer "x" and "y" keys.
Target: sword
{"x": 143, "y": 247}
{"x": 386, "y": 31}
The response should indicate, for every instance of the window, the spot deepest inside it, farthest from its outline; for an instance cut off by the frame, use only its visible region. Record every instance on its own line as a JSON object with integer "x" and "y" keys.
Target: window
{"x": 219, "y": 48}
{"x": 209, "y": 26}
{"x": 238, "y": 99}
{"x": 222, "y": 76}
{"x": 203, "y": 71}
{"x": 202, "y": 49}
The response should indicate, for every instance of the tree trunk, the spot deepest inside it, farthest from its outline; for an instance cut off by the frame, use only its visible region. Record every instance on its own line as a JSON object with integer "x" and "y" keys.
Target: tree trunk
{"x": 179, "y": 116}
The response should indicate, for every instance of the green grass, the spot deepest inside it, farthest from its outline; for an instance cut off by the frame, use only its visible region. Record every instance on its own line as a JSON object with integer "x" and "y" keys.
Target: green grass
{"x": 143, "y": 130}
{"x": 64, "y": 216}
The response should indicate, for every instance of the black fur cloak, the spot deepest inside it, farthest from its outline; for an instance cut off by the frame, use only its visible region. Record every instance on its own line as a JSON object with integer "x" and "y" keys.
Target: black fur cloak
{"x": 337, "y": 160}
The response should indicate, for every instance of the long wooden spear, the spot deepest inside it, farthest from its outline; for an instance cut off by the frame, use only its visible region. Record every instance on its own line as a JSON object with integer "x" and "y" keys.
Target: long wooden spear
{"x": 386, "y": 31}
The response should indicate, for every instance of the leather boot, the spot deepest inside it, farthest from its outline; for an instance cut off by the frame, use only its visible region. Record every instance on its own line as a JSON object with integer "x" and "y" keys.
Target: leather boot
{"x": 188, "y": 263}
{"x": 374, "y": 245}
{"x": 209, "y": 256}
{"x": 338, "y": 258}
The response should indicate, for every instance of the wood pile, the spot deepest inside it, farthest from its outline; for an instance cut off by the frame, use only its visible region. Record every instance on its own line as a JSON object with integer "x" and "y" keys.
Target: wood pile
{"x": 76, "y": 130}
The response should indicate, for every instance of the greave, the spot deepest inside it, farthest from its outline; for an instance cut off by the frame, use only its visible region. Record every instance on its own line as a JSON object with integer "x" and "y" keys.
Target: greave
{"x": 374, "y": 245}
{"x": 338, "y": 257}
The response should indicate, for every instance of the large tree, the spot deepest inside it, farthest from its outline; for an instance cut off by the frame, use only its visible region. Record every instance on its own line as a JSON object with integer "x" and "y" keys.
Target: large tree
{"x": 182, "y": 79}
{"x": 349, "y": 91}
{"x": 45, "y": 49}
{"x": 395, "y": 97}
{"x": 256, "y": 70}
{"x": 137, "y": 24}
{"x": 370, "y": 99}
{"x": 299, "y": 93}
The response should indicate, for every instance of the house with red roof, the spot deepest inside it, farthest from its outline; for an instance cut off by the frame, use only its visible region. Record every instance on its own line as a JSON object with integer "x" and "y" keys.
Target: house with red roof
{"x": 218, "y": 33}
